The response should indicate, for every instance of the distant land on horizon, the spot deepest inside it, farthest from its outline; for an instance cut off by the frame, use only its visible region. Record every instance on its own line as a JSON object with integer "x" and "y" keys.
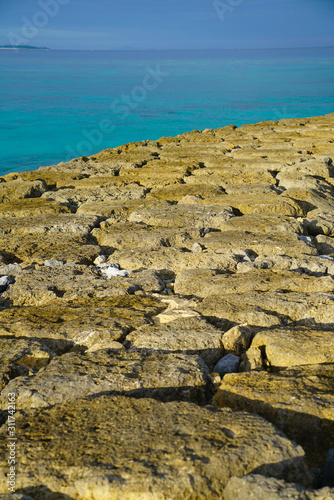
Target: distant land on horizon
{"x": 133, "y": 49}
{"x": 30, "y": 47}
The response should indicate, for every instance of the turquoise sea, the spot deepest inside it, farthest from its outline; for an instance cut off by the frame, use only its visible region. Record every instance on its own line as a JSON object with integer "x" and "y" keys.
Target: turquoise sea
{"x": 61, "y": 104}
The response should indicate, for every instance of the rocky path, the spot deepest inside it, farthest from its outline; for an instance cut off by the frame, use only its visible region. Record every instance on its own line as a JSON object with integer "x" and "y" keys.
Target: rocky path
{"x": 167, "y": 319}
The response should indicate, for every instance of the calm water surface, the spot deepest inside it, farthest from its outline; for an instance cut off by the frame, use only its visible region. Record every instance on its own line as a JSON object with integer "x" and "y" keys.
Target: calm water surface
{"x": 61, "y": 104}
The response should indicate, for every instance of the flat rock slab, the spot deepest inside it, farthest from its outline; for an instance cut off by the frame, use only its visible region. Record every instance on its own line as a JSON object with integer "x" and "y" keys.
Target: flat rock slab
{"x": 71, "y": 225}
{"x": 260, "y": 244}
{"x": 63, "y": 237}
{"x": 300, "y": 401}
{"x": 262, "y": 223}
{"x": 67, "y": 283}
{"x": 141, "y": 448}
{"x": 185, "y": 216}
{"x": 19, "y": 189}
{"x": 61, "y": 326}
{"x": 173, "y": 260}
{"x": 288, "y": 347}
{"x": 120, "y": 210}
{"x": 95, "y": 194}
{"x": 269, "y": 204}
{"x": 162, "y": 376}
{"x": 38, "y": 248}
{"x": 312, "y": 265}
{"x": 195, "y": 282}
{"x": 131, "y": 235}
{"x": 28, "y": 207}
{"x": 256, "y": 487}
{"x": 269, "y": 309}
{"x": 191, "y": 335}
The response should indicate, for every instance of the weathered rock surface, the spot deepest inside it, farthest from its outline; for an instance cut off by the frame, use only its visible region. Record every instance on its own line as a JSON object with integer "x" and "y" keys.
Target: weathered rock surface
{"x": 127, "y": 276}
{"x": 192, "y": 335}
{"x": 203, "y": 284}
{"x": 269, "y": 309}
{"x": 162, "y": 376}
{"x": 286, "y": 347}
{"x": 63, "y": 325}
{"x": 256, "y": 487}
{"x": 64, "y": 283}
{"x": 120, "y": 447}
{"x": 299, "y": 401}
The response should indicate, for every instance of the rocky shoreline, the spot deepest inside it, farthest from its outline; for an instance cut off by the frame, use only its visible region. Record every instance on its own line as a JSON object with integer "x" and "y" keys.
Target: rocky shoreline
{"x": 166, "y": 319}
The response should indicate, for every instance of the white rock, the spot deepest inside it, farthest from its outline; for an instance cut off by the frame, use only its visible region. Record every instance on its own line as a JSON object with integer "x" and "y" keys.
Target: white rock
{"x": 110, "y": 270}
{"x": 53, "y": 263}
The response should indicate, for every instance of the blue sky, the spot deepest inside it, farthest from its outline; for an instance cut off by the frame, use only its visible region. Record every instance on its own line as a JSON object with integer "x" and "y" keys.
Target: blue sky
{"x": 167, "y": 24}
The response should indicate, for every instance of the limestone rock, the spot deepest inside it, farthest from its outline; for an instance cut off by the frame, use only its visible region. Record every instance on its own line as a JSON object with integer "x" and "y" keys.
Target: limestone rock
{"x": 76, "y": 197}
{"x": 286, "y": 347}
{"x": 28, "y": 207}
{"x": 64, "y": 325}
{"x": 252, "y": 360}
{"x": 318, "y": 222}
{"x": 188, "y": 335}
{"x": 190, "y": 282}
{"x": 164, "y": 376}
{"x": 173, "y": 260}
{"x": 65, "y": 283}
{"x": 311, "y": 264}
{"x": 299, "y": 401}
{"x": 262, "y": 223}
{"x": 237, "y": 339}
{"x": 269, "y": 309}
{"x": 21, "y": 357}
{"x": 258, "y": 244}
{"x": 136, "y": 235}
{"x": 41, "y": 237}
{"x": 54, "y": 224}
{"x": 185, "y": 216}
{"x": 256, "y": 487}
{"x": 132, "y": 272}
{"x": 324, "y": 244}
{"x": 18, "y": 189}
{"x": 163, "y": 450}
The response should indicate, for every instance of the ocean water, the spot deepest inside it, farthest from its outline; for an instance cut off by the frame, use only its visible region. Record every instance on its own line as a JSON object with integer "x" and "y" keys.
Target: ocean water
{"x": 56, "y": 105}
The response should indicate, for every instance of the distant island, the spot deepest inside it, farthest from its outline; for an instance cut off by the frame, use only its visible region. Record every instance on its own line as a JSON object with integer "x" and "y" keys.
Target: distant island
{"x": 30, "y": 47}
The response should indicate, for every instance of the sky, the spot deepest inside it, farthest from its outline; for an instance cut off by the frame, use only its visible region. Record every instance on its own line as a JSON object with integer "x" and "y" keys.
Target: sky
{"x": 167, "y": 24}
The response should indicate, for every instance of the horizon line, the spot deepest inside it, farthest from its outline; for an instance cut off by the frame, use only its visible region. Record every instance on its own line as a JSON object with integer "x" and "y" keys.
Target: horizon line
{"x": 171, "y": 50}
{"x": 195, "y": 50}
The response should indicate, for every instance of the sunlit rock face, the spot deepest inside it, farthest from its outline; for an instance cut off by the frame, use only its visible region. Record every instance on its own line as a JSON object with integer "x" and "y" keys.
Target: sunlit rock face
{"x": 129, "y": 283}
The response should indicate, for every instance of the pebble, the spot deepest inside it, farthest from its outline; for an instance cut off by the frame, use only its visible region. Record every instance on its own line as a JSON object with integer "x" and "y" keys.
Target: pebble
{"x": 227, "y": 364}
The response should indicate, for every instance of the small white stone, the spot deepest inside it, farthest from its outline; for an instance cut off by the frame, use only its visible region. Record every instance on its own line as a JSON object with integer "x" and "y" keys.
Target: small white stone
{"x": 53, "y": 263}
